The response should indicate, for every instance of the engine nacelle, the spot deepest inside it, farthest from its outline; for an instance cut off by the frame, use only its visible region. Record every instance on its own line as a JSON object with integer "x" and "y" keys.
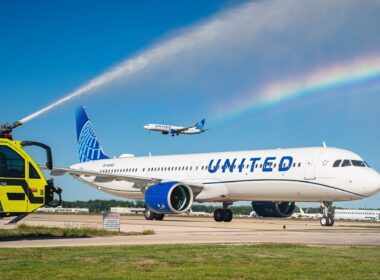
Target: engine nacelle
{"x": 169, "y": 197}
{"x": 273, "y": 209}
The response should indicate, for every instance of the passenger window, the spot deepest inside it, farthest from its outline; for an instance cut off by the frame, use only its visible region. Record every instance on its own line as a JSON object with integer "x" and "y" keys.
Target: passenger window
{"x": 33, "y": 174}
{"x": 12, "y": 165}
{"x": 337, "y": 163}
{"x": 346, "y": 163}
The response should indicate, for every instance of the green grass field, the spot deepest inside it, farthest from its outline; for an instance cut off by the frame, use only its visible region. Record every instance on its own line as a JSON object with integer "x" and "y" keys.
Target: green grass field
{"x": 192, "y": 262}
{"x": 26, "y": 231}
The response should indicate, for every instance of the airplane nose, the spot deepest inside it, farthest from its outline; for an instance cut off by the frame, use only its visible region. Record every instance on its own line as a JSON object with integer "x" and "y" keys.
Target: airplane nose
{"x": 373, "y": 186}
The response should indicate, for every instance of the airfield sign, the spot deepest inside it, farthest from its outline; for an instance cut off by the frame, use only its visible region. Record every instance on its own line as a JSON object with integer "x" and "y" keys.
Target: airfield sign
{"x": 111, "y": 221}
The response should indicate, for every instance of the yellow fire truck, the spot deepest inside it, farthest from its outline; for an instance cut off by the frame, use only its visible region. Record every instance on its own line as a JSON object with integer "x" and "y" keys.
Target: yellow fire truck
{"x": 23, "y": 187}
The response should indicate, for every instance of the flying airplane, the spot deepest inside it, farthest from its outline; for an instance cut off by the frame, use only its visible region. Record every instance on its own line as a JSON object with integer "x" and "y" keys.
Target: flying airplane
{"x": 177, "y": 130}
{"x": 271, "y": 179}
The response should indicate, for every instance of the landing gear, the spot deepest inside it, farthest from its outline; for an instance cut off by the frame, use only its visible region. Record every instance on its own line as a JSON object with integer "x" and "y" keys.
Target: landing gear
{"x": 160, "y": 217}
{"x": 219, "y": 215}
{"x": 150, "y": 215}
{"x": 223, "y": 215}
{"x": 228, "y": 215}
{"x": 327, "y": 219}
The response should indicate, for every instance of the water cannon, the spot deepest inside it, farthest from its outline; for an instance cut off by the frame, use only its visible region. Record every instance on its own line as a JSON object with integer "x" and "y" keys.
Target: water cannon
{"x": 6, "y": 129}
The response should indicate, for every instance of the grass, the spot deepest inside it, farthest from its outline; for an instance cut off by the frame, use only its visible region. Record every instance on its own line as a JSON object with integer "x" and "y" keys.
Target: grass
{"x": 192, "y": 262}
{"x": 24, "y": 231}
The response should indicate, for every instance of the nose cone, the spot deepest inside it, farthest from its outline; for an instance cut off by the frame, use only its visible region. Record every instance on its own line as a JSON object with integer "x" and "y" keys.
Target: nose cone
{"x": 146, "y": 126}
{"x": 373, "y": 184}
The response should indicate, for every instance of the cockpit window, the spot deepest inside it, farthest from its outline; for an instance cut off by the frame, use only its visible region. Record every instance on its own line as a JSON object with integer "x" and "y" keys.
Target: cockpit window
{"x": 346, "y": 163}
{"x": 366, "y": 163}
{"x": 358, "y": 163}
{"x": 337, "y": 163}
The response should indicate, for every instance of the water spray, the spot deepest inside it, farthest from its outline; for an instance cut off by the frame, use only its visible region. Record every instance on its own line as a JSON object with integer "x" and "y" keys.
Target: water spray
{"x": 198, "y": 35}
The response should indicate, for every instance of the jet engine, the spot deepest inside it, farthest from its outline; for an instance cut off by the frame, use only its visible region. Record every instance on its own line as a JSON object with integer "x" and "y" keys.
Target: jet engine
{"x": 273, "y": 209}
{"x": 169, "y": 197}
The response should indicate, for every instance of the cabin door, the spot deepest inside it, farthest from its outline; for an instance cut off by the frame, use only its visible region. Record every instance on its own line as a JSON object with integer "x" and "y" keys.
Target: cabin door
{"x": 311, "y": 165}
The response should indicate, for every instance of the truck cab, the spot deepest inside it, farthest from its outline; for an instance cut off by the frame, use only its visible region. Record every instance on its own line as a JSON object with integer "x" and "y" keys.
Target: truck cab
{"x": 23, "y": 187}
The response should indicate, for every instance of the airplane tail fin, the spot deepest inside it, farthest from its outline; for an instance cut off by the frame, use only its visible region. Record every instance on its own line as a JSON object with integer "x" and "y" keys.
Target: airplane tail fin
{"x": 88, "y": 144}
{"x": 301, "y": 211}
{"x": 201, "y": 124}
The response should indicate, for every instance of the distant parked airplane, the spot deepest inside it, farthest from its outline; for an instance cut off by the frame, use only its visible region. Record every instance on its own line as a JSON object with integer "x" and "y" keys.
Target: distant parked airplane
{"x": 177, "y": 130}
{"x": 302, "y": 214}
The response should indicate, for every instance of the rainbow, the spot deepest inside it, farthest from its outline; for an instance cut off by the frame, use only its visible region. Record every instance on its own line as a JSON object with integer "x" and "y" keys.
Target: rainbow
{"x": 360, "y": 72}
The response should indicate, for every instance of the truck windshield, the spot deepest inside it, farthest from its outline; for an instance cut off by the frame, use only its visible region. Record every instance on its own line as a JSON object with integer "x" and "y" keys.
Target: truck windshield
{"x": 12, "y": 165}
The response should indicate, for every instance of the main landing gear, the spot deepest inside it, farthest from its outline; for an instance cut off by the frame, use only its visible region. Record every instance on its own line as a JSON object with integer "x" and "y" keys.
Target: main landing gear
{"x": 327, "y": 219}
{"x": 150, "y": 215}
{"x": 224, "y": 214}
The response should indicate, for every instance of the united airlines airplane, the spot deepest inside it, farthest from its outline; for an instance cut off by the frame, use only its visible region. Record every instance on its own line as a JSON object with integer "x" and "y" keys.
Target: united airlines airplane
{"x": 271, "y": 179}
{"x": 177, "y": 130}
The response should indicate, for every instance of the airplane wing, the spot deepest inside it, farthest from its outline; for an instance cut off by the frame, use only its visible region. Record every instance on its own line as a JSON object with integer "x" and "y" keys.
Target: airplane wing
{"x": 140, "y": 182}
{"x": 179, "y": 130}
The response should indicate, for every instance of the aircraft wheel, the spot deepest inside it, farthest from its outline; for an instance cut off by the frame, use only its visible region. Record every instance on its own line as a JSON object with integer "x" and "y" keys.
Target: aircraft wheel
{"x": 227, "y": 215}
{"x": 324, "y": 221}
{"x": 159, "y": 217}
{"x": 218, "y": 215}
{"x": 149, "y": 215}
{"x": 331, "y": 221}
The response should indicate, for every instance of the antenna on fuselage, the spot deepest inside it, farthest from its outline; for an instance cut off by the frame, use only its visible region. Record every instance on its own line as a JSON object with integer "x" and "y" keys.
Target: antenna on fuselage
{"x": 324, "y": 144}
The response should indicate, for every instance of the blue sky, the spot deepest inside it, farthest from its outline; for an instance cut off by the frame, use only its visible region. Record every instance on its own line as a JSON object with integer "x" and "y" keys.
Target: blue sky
{"x": 231, "y": 49}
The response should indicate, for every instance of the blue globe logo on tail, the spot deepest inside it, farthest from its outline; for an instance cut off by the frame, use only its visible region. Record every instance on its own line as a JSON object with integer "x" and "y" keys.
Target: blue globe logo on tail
{"x": 200, "y": 125}
{"x": 88, "y": 144}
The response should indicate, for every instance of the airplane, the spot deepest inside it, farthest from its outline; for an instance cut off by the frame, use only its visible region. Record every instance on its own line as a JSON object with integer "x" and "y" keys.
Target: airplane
{"x": 302, "y": 214}
{"x": 271, "y": 179}
{"x": 177, "y": 130}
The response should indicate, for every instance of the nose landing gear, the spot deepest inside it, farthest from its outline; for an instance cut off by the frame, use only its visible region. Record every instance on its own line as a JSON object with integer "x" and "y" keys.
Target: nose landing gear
{"x": 224, "y": 214}
{"x": 328, "y": 217}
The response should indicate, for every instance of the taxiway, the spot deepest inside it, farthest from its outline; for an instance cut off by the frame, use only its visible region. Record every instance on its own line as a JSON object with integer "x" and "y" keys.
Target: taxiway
{"x": 198, "y": 230}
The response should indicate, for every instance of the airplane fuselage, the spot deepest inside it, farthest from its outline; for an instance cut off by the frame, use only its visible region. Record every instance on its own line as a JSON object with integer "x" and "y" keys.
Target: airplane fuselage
{"x": 299, "y": 174}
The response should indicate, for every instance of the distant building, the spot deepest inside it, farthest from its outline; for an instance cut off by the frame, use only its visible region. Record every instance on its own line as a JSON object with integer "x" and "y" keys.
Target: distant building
{"x": 127, "y": 210}
{"x": 198, "y": 213}
{"x": 357, "y": 214}
{"x": 59, "y": 209}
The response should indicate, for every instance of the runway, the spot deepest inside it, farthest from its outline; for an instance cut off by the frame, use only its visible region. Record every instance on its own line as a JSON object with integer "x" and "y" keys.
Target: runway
{"x": 204, "y": 230}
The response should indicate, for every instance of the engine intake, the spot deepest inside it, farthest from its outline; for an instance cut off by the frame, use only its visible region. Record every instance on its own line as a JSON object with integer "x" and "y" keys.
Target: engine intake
{"x": 273, "y": 209}
{"x": 169, "y": 197}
